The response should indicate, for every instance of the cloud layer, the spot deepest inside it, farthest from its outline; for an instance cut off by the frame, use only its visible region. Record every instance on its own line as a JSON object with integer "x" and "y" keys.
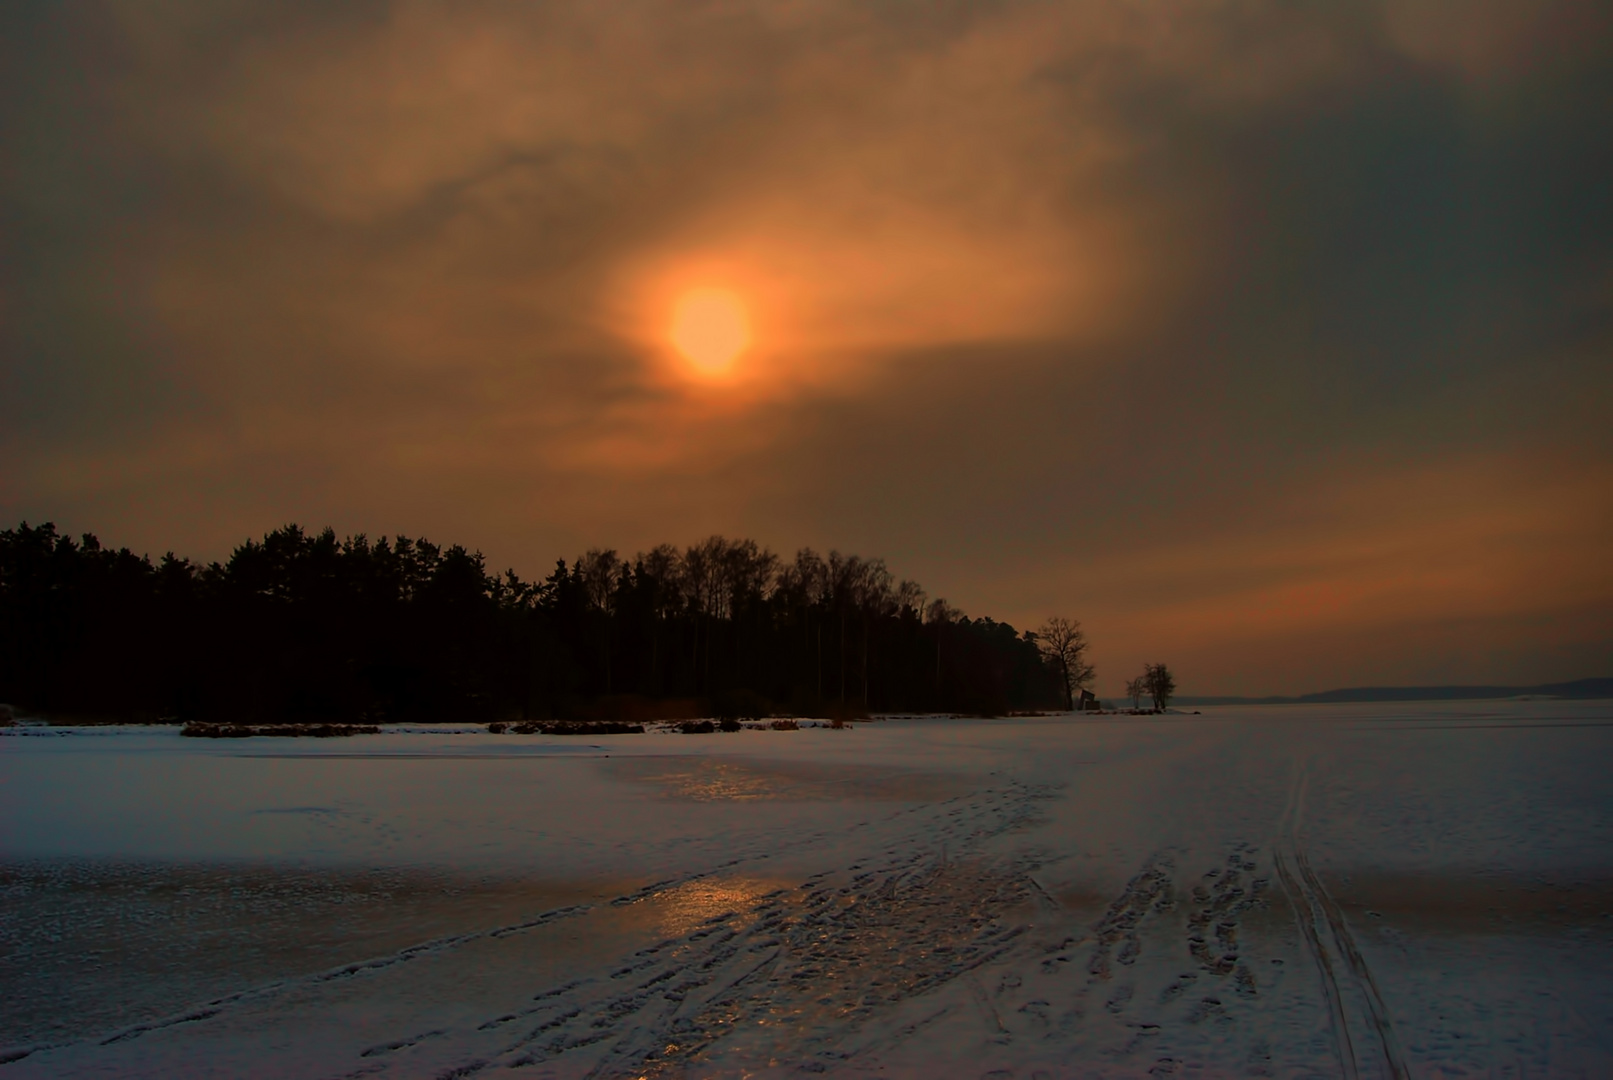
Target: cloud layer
{"x": 1269, "y": 340}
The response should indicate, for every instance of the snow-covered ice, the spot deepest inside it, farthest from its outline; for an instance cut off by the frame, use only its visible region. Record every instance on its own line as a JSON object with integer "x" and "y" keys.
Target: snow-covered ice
{"x": 1358, "y": 891}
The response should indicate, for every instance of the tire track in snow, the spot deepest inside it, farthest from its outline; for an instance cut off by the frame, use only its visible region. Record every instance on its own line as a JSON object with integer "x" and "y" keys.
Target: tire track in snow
{"x": 1304, "y": 915}
{"x": 1332, "y": 946}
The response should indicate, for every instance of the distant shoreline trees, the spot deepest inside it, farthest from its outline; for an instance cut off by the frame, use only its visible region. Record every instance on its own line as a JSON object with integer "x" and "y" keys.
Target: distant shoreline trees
{"x": 303, "y": 626}
{"x": 1155, "y": 682}
{"x": 1160, "y": 684}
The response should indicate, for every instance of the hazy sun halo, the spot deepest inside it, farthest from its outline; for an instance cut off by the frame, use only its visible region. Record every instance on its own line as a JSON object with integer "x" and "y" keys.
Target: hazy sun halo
{"x": 710, "y": 327}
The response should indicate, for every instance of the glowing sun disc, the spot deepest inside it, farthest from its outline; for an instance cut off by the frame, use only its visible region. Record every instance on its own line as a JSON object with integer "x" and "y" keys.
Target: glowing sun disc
{"x": 710, "y": 327}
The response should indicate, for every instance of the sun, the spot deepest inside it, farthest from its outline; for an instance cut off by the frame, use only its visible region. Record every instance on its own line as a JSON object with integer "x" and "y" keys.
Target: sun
{"x": 711, "y": 328}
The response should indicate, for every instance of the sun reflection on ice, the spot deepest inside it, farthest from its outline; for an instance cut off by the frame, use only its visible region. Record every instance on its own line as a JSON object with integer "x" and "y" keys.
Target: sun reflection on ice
{"x": 721, "y": 781}
{"x": 682, "y": 909}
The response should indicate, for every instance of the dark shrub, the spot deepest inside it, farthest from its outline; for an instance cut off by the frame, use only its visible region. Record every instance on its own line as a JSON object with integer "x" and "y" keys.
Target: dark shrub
{"x": 577, "y": 727}
{"x": 198, "y": 730}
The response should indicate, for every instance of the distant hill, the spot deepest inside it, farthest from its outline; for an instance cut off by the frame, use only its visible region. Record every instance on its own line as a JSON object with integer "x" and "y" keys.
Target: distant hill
{"x": 1579, "y": 688}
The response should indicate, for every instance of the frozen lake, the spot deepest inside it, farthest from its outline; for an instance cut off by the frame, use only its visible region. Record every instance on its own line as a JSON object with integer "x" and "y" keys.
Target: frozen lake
{"x": 1358, "y": 891}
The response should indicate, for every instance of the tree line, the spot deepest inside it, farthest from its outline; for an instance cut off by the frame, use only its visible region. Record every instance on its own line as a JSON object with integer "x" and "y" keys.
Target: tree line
{"x": 306, "y": 626}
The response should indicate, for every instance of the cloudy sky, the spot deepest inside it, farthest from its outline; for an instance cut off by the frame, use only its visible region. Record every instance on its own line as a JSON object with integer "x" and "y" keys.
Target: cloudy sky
{"x": 1270, "y": 339}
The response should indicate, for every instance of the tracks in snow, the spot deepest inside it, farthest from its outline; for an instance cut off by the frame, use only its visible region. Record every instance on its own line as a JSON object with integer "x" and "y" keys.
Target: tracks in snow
{"x": 792, "y": 971}
{"x": 795, "y": 973}
{"x": 1363, "y": 1029}
{"x": 872, "y": 959}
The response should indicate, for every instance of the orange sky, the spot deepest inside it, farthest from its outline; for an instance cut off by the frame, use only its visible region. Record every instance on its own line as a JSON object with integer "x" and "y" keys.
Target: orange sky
{"x": 1270, "y": 341}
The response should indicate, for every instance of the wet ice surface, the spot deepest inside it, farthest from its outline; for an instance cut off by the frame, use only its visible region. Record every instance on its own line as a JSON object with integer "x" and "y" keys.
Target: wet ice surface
{"x": 1325, "y": 891}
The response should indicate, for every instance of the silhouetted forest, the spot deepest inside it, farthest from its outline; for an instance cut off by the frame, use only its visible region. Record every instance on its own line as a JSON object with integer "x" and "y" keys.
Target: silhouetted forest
{"x": 307, "y": 627}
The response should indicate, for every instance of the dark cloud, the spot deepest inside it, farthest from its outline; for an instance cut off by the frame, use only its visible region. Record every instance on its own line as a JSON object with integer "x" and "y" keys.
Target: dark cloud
{"x": 1272, "y": 338}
